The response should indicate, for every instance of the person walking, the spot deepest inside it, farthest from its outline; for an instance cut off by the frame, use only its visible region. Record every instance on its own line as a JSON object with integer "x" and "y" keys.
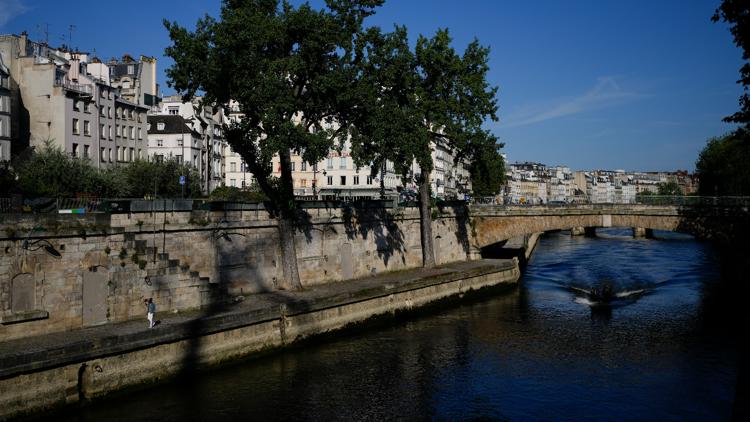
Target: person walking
{"x": 151, "y": 309}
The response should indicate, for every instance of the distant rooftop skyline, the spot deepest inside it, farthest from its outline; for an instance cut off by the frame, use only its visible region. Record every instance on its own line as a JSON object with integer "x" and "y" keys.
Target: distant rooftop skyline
{"x": 638, "y": 85}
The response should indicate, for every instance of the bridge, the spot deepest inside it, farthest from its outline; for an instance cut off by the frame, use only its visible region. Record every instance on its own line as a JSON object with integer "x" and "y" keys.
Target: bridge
{"x": 705, "y": 218}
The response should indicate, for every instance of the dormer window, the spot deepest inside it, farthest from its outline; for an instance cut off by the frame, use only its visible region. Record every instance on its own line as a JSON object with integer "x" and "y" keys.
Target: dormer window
{"x": 160, "y": 126}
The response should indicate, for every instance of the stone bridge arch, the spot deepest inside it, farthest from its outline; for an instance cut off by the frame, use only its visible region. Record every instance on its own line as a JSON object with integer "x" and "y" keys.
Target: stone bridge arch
{"x": 493, "y": 226}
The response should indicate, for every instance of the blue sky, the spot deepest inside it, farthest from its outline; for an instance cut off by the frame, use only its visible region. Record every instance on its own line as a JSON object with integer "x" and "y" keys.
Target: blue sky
{"x": 634, "y": 85}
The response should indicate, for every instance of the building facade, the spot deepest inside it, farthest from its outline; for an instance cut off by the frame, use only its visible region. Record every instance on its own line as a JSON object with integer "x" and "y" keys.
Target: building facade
{"x": 208, "y": 122}
{"x": 171, "y": 138}
{"x": 69, "y": 107}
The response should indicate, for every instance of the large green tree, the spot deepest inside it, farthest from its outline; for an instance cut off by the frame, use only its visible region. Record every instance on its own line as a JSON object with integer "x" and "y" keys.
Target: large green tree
{"x": 418, "y": 100}
{"x": 291, "y": 70}
{"x": 737, "y": 14}
{"x": 487, "y": 168}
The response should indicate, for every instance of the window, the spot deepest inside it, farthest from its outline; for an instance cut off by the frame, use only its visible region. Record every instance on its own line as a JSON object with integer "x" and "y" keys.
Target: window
{"x": 87, "y": 128}
{"x": 369, "y": 180}
{"x": 140, "y": 119}
{"x": 304, "y": 166}
{"x": 159, "y": 158}
{"x": 76, "y": 130}
{"x": 74, "y": 151}
{"x": 160, "y": 126}
{"x": 86, "y": 151}
{"x": 180, "y": 142}
{"x": 117, "y": 129}
{"x": 232, "y": 167}
{"x": 160, "y": 142}
{"x": 119, "y": 154}
{"x": 104, "y": 93}
{"x": 132, "y": 154}
{"x": 173, "y": 110}
{"x": 102, "y": 131}
{"x": 342, "y": 162}
{"x": 330, "y": 180}
{"x": 102, "y": 112}
{"x": 140, "y": 135}
{"x": 110, "y": 155}
{"x": 343, "y": 180}
{"x": 87, "y": 107}
{"x": 110, "y": 132}
{"x": 293, "y": 165}
{"x": 178, "y": 159}
{"x": 329, "y": 164}
{"x": 303, "y": 183}
{"x": 356, "y": 180}
{"x": 140, "y": 154}
{"x": 232, "y": 182}
{"x": 109, "y": 112}
{"x": 131, "y": 69}
{"x": 132, "y": 132}
{"x": 103, "y": 154}
{"x": 76, "y": 105}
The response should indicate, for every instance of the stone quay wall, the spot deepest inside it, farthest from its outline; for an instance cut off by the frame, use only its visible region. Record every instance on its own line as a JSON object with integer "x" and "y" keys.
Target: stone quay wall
{"x": 65, "y": 272}
{"x": 96, "y": 367}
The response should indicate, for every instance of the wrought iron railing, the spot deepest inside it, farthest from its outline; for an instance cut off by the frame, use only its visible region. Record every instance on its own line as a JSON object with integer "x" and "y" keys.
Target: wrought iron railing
{"x": 101, "y": 205}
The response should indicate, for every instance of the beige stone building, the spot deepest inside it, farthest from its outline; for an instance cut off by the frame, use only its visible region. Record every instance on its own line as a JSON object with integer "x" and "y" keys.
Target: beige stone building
{"x": 57, "y": 100}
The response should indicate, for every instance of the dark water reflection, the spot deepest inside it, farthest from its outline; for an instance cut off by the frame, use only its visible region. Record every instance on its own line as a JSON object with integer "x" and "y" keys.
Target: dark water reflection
{"x": 542, "y": 352}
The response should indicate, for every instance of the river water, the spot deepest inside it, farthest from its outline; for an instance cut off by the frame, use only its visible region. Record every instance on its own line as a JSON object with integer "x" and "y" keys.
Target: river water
{"x": 599, "y": 329}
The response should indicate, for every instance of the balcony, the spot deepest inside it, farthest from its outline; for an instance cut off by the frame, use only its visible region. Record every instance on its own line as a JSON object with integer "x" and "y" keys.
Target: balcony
{"x": 80, "y": 89}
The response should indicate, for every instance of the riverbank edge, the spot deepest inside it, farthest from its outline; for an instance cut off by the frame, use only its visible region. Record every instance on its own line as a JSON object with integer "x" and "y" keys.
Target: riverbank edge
{"x": 40, "y": 380}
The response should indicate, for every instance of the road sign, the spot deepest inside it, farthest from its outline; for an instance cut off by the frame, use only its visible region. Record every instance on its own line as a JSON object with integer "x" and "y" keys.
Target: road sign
{"x": 182, "y": 180}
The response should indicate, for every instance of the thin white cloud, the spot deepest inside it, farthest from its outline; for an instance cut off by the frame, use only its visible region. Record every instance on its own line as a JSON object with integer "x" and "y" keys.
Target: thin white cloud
{"x": 9, "y": 9}
{"x": 605, "y": 93}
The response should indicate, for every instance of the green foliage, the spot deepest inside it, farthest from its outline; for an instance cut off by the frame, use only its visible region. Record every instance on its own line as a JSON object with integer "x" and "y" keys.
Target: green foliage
{"x": 231, "y": 193}
{"x": 414, "y": 100}
{"x": 723, "y": 167}
{"x": 142, "y": 177}
{"x": 737, "y": 14}
{"x": 669, "y": 189}
{"x": 290, "y": 70}
{"x": 487, "y": 170}
{"x": 48, "y": 172}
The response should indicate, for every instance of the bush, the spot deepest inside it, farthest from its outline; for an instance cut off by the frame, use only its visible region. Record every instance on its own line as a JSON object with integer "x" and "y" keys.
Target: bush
{"x": 234, "y": 194}
{"x": 49, "y": 172}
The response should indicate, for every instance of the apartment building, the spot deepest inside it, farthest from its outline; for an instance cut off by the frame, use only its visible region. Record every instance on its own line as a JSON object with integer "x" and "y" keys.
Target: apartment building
{"x": 171, "y": 138}
{"x": 67, "y": 100}
{"x": 135, "y": 80}
{"x": 208, "y": 122}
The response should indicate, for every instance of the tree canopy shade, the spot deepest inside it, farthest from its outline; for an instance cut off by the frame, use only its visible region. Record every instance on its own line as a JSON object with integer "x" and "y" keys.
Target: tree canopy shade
{"x": 418, "y": 100}
{"x": 723, "y": 166}
{"x": 290, "y": 70}
{"x": 737, "y": 14}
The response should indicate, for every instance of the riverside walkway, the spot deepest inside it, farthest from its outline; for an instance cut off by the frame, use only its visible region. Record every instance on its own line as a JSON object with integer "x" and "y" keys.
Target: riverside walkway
{"x": 35, "y": 354}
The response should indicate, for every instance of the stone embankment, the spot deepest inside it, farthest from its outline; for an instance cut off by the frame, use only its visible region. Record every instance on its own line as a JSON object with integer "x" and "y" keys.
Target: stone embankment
{"x": 47, "y": 371}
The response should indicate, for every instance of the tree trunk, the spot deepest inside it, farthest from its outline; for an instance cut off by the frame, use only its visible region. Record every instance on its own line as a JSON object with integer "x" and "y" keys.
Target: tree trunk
{"x": 425, "y": 220}
{"x": 287, "y": 226}
{"x": 288, "y": 254}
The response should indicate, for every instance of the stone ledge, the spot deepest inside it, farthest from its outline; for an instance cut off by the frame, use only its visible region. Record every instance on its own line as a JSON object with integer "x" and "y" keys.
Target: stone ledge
{"x": 24, "y": 316}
